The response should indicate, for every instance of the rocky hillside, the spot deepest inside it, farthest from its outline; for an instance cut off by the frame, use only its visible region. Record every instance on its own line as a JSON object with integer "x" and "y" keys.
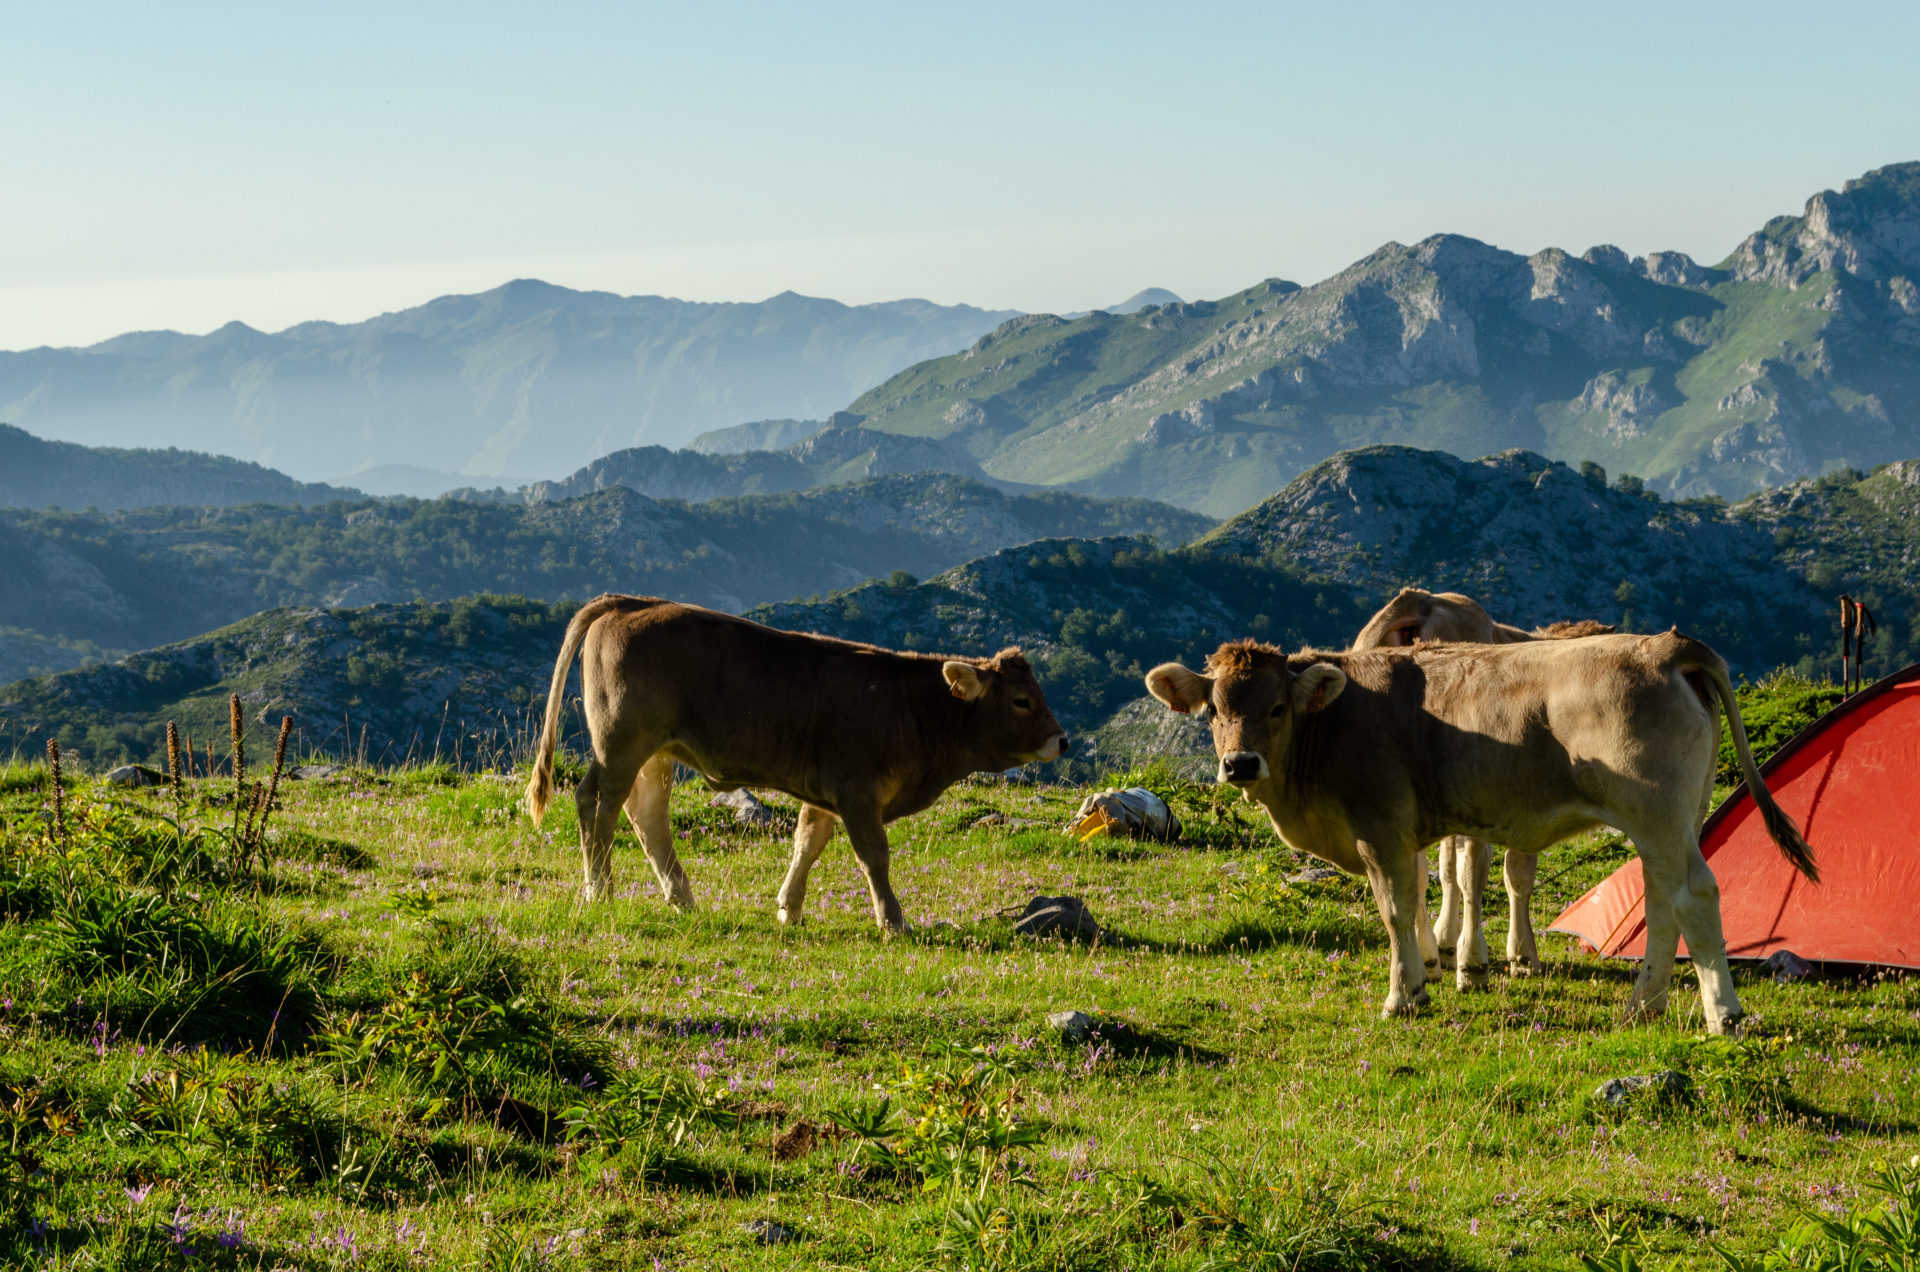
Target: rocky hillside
{"x": 1795, "y": 355}
{"x": 386, "y": 682}
{"x": 1532, "y": 539}
{"x": 36, "y": 473}
{"x": 135, "y": 579}
{"x": 523, "y": 381}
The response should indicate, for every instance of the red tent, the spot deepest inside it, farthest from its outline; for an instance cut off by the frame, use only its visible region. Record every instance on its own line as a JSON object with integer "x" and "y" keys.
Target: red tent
{"x": 1851, "y": 780}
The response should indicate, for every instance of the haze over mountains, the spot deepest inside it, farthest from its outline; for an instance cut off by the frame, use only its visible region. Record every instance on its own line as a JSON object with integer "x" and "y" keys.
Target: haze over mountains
{"x": 1794, "y": 355}
{"x": 525, "y": 381}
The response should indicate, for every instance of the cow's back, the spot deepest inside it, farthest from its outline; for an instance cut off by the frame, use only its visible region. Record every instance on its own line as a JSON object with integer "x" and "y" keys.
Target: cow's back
{"x": 756, "y": 706}
{"x": 1448, "y": 733}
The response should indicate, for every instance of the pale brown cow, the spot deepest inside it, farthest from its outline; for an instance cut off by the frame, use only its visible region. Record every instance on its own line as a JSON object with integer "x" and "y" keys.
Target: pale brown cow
{"x": 1413, "y": 617}
{"x": 1363, "y": 758}
{"x": 855, "y": 733}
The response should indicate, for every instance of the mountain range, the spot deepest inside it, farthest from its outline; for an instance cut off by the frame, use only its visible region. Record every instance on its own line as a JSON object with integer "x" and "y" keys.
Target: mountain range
{"x": 525, "y": 381}
{"x": 1797, "y": 354}
{"x": 1533, "y": 539}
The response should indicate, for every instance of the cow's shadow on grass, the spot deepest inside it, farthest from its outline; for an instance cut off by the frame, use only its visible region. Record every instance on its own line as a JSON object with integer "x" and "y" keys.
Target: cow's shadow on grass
{"x": 1248, "y": 935}
{"x": 1121, "y": 1040}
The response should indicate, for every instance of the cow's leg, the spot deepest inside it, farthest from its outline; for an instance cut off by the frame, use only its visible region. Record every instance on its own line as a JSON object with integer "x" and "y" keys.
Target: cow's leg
{"x": 1649, "y": 1001}
{"x": 1472, "y": 860}
{"x": 1519, "y": 869}
{"x": 1399, "y": 888}
{"x": 809, "y": 841}
{"x": 1673, "y": 864}
{"x": 869, "y": 836}
{"x": 647, "y": 810}
{"x": 1423, "y": 927}
{"x": 1446, "y": 928}
{"x": 598, "y": 799}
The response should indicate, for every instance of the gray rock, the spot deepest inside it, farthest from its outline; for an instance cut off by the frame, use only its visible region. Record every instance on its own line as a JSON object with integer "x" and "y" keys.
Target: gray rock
{"x": 136, "y": 775}
{"x": 1314, "y": 874}
{"x": 1066, "y": 915}
{"x": 747, "y": 809}
{"x": 314, "y": 772}
{"x": 1787, "y": 967}
{"x": 1074, "y": 1026}
{"x": 1619, "y": 1092}
{"x": 767, "y": 1232}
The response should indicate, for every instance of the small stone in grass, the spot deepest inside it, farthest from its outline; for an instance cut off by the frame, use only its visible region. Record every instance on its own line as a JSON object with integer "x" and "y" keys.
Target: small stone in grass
{"x": 1074, "y": 1026}
{"x": 1787, "y": 967}
{"x": 747, "y": 808}
{"x": 1066, "y": 915}
{"x": 136, "y": 775}
{"x": 1617, "y": 1092}
{"x": 313, "y": 772}
{"x": 767, "y": 1232}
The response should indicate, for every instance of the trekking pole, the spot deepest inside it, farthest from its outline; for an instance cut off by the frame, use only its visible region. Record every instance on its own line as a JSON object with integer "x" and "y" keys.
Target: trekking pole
{"x": 1846, "y": 638}
{"x": 1863, "y": 627}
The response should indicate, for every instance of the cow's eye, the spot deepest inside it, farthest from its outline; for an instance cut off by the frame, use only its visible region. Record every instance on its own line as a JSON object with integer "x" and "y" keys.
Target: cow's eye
{"x": 1279, "y": 709}
{"x": 1023, "y": 704}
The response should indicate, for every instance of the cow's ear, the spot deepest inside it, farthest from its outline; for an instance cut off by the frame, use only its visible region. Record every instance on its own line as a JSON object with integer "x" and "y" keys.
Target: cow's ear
{"x": 963, "y": 680}
{"x": 1181, "y": 688}
{"x": 1318, "y": 685}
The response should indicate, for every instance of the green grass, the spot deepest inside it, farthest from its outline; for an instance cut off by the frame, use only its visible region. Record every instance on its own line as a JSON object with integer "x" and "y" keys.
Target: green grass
{"x": 407, "y": 1016}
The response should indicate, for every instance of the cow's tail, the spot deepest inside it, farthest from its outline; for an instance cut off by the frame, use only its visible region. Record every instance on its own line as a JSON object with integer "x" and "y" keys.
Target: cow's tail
{"x": 540, "y": 785}
{"x": 1697, "y": 658}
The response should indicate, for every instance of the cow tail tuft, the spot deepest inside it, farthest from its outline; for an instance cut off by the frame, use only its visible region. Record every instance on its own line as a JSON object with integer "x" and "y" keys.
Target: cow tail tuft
{"x": 540, "y": 784}
{"x": 1780, "y": 827}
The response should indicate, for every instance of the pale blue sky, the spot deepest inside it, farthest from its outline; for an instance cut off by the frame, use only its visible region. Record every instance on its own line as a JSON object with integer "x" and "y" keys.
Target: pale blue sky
{"x": 182, "y": 165}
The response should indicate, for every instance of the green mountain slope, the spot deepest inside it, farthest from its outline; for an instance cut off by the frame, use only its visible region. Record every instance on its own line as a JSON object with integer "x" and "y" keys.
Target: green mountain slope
{"x": 136, "y": 579}
{"x": 1794, "y": 356}
{"x": 1532, "y": 539}
{"x": 36, "y": 473}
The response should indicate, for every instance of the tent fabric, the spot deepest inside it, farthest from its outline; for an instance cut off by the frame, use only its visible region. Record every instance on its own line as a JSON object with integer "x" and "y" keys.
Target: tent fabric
{"x": 1851, "y": 780}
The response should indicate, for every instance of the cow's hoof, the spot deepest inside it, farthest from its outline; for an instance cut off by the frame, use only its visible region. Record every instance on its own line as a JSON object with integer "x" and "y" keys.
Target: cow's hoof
{"x": 1730, "y": 1026}
{"x": 1433, "y": 971}
{"x": 791, "y": 918}
{"x": 597, "y": 892}
{"x": 1471, "y": 979}
{"x": 1446, "y": 958}
{"x": 1406, "y": 1005}
{"x": 1523, "y": 967}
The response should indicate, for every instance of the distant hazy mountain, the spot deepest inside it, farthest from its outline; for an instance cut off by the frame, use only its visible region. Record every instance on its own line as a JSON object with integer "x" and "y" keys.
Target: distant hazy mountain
{"x": 1798, "y": 353}
{"x": 36, "y": 473}
{"x": 525, "y": 381}
{"x": 828, "y": 454}
{"x": 755, "y": 435}
{"x": 404, "y": 480}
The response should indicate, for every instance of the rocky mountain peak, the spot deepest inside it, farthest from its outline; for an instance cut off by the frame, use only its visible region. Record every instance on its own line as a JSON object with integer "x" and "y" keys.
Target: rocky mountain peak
{"x": 1870, "y": 228}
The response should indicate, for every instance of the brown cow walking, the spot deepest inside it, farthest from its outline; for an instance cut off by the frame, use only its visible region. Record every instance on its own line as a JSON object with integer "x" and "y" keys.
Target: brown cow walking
{"x": 1363, "y": 758}
{"x": 855, "y": 733}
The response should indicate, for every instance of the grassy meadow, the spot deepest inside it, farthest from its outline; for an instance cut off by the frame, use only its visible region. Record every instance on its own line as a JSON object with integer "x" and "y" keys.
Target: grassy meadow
{"x": 386, "y": 1034}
